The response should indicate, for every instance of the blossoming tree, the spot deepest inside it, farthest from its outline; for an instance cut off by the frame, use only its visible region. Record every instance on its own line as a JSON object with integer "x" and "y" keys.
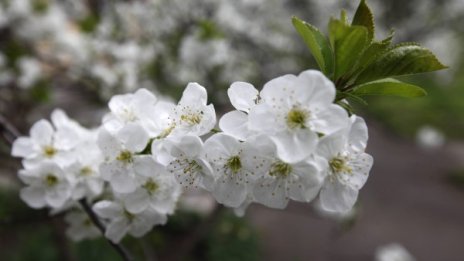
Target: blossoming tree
{"x": 297, "y": 138}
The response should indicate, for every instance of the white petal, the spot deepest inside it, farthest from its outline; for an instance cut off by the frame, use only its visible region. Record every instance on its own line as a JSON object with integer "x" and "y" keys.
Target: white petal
{"x": 187, "y": 146}
{"x": 107, "y": 209}
{"x": 360, "y": 171}
{"x": 262, "y": 118}
{"x": 271, "y": 192}
{"x": 146, "y": 165}
{"x": 42, "y": 132}
{"x": 136, "y": 201}
{"x": 23, "y": 147}
{"x": 295, "y": 146}
{"x": 222, "y": 145}
{"x": 108, "y": 144}
{"x": 281, "y": 91}
{"x": 358, "y": 134}
{"x": 194, "y": 93}
{"x": 330, "y": 120}
{"x": 144, "y": 223}
{"x": 235, "y": 123}
{"x": 329, "y": 146}
{"x": 122, "y": 182}
{"x": 315, "y": 89}
{"x": 308, "y": 184}
{"x": 117, "y": 230}
{"x": 143, "y": 99}
{"x": 118, "y": 103}
{"x": 33, "y": 196}
{"x": 95, "y": 186}
{"x": 242, "y": 95}
{"x": 229, "y": 192}
{"x": 134, "y": 137}
{"x": 336, "y": 197}
{"x": 57, "y": 198}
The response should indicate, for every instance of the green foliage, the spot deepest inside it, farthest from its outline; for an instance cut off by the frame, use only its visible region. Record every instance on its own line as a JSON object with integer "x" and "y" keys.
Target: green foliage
{"x": 402, "y": 59}
{"x": 389, "y": 87}
{"x": 89, "y": 23}
{"x": 364, "y": 17}
{"x": 317, "y": 43}
{"x": 348, "y": 43}
{"x": 360, "y": 65}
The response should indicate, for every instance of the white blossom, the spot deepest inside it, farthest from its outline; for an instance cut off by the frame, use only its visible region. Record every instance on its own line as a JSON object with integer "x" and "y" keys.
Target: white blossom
{"x": 192, "y": 115}
{"x": 47, "y": 185}
{"x": 281, "y": 181}
{"x": 44, "y": 143}
{"x": 190, "y": 166}
{"x": 235, "y": 167}
{"x": 295, "y": 110}
{"x": 120, "y": 153}
{"x": 243, "y": 96}
{"x": 122, "y": 222}
{"x": 347, "y": 166}
{"x": 80, "y": 226}
{"x": 157, "y": 189}
{"x": 393, "y": 252}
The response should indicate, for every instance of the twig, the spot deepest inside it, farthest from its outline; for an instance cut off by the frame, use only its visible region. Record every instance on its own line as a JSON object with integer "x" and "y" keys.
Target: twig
{"x": 8, "y": 132}
{"x": 96, "y": 221}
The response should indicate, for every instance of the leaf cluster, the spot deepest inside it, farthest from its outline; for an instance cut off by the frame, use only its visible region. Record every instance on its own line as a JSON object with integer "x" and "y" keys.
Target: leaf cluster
{"x": 360, "y": 65}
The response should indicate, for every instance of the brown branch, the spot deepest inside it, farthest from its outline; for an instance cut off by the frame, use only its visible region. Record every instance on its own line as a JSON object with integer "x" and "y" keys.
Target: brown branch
{"x": 96, "y": 221}
{"x": 8, "y": 132}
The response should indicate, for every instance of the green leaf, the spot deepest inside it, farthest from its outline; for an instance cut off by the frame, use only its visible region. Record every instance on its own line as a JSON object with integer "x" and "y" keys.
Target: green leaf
{"x": 364, "y": 17}
{"x": 348, "y": 43}
{"x": 372, "y": 52}
{"x": 317, "y": 44}
{"x": 402, "y": 59}
{"x": 343, "y": 95}
{"x": 390, "y": 87}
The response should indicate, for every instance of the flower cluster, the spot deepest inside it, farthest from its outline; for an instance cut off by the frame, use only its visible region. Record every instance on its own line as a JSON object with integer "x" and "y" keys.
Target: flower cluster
{"x": 288, "y": 141}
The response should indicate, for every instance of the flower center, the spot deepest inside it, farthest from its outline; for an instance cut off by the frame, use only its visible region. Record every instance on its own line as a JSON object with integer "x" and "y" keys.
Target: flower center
{"x": 51, "y": 180}
{"x": 339, "y": 165}
{"x": 296, "y": 118}
{"x": 166, "y": 131}
{"x": 280, "y": 169}
{"x": 49, "y": 151}
{"x": 87, "y": 223}
{"x": 128, "y": 115}
{"x": 234, "y": 164}
{"x": 150, "y": 186}
{"x": 86, "y": 171}
{"x": 125, "y": 156}
{"x": 191, "y": 118}
{"x": 192, "y": 167}
{"x": 130, "y": 217}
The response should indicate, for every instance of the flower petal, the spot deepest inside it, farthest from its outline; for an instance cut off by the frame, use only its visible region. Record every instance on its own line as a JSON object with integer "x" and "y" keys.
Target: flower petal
{"x": 295, "y": 146}
{"x": 33, "y": 196}
{"x": 336, "y": 197}
{"x": 107, "y": 209}
{"x": 235, "y": 123}
{"x": 117, "y": 230}
{"x": 242, "y": 95}
{"x": 271, "y": 192}
{"x": 42, "y": 132}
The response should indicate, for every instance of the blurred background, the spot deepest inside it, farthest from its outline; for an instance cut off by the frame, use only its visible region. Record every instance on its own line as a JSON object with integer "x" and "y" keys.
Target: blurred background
{"x": 75, "y": 55}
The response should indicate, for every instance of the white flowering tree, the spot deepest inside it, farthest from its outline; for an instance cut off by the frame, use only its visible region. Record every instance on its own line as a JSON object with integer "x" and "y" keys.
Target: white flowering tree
{"x": 295, "y": 139}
